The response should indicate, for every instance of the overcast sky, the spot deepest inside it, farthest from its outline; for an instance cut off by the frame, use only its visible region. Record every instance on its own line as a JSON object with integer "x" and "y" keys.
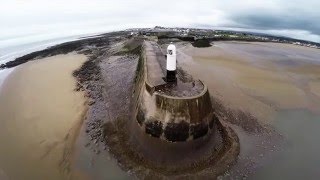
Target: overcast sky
{"x": 293, "y": 18}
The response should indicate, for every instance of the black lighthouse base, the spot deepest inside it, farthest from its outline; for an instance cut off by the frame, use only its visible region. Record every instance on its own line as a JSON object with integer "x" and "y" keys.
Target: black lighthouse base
{"x": 171, "y": 76}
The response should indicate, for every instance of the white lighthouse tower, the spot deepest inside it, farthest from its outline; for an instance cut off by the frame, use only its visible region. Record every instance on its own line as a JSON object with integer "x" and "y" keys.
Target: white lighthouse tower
{"x": 171, "y": 63}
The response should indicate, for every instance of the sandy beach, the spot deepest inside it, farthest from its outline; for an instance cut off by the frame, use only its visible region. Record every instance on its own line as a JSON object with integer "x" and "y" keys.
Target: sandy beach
{"x": 40, "y": 114}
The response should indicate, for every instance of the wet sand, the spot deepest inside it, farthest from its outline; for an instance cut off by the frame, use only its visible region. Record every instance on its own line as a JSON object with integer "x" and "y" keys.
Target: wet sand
{"x": 3, "y": 75}
{"x": 258, "y": 77}
{"x": 40, "y": 114}
{"x": 299, "y": 158}
{"x": 315, "y": 88}
{"x": 279, "y": 85}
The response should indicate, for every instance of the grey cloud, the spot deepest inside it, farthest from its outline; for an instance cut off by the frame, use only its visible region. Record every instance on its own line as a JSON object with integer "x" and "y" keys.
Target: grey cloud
{"x": 277, "y": 21}
{"x": 295, "y": 18}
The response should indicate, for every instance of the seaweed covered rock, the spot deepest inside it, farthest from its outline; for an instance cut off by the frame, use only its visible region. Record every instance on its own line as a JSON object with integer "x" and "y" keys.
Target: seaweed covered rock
{"x": 201, "y": 43}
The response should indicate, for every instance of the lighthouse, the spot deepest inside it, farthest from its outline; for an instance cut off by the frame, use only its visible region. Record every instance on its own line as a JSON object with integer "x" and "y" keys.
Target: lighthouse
{"x": 171, "y": 63}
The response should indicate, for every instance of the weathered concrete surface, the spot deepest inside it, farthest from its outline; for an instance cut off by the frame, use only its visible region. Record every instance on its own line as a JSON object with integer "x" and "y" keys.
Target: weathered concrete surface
{"x": 169, "y": 117}
{"x": 154, "y": 71}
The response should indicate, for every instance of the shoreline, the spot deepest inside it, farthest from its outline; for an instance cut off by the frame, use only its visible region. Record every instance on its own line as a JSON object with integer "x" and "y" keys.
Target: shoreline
{"x": 101, "y": 40}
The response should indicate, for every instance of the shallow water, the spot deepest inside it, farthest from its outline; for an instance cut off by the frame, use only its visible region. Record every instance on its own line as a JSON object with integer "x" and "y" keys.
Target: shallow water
{"x": 89, "y": 165}
{"x": 300, "y": 157}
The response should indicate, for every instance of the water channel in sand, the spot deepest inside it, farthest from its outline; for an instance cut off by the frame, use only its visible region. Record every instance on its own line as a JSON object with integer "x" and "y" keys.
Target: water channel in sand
{"x": 40, "y": 114}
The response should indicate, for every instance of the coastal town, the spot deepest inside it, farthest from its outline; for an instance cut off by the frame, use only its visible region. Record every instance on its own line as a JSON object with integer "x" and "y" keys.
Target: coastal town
{"x": 192, "y": 34}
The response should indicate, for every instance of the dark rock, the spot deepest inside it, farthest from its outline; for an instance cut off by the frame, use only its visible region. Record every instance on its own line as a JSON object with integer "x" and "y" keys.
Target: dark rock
{"x": 201, "y": 43}
{"x": 154, "y": 128}
{"x": 211, "y": 122}
{"x": 140, "y": 117}
{"x": 177, "y": 132}
{"x": 91, "y": 102}
{"x": 198, "y": 130}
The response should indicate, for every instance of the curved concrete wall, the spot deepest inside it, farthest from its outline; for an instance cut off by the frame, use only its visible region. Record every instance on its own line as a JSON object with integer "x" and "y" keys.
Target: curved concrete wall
{"x": 173, "y": 119}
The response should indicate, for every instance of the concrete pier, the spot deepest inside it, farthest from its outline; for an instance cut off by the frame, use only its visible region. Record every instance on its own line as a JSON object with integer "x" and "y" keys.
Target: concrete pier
{"x": 172, "y": 131}
{"x": 172, "y": 112}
